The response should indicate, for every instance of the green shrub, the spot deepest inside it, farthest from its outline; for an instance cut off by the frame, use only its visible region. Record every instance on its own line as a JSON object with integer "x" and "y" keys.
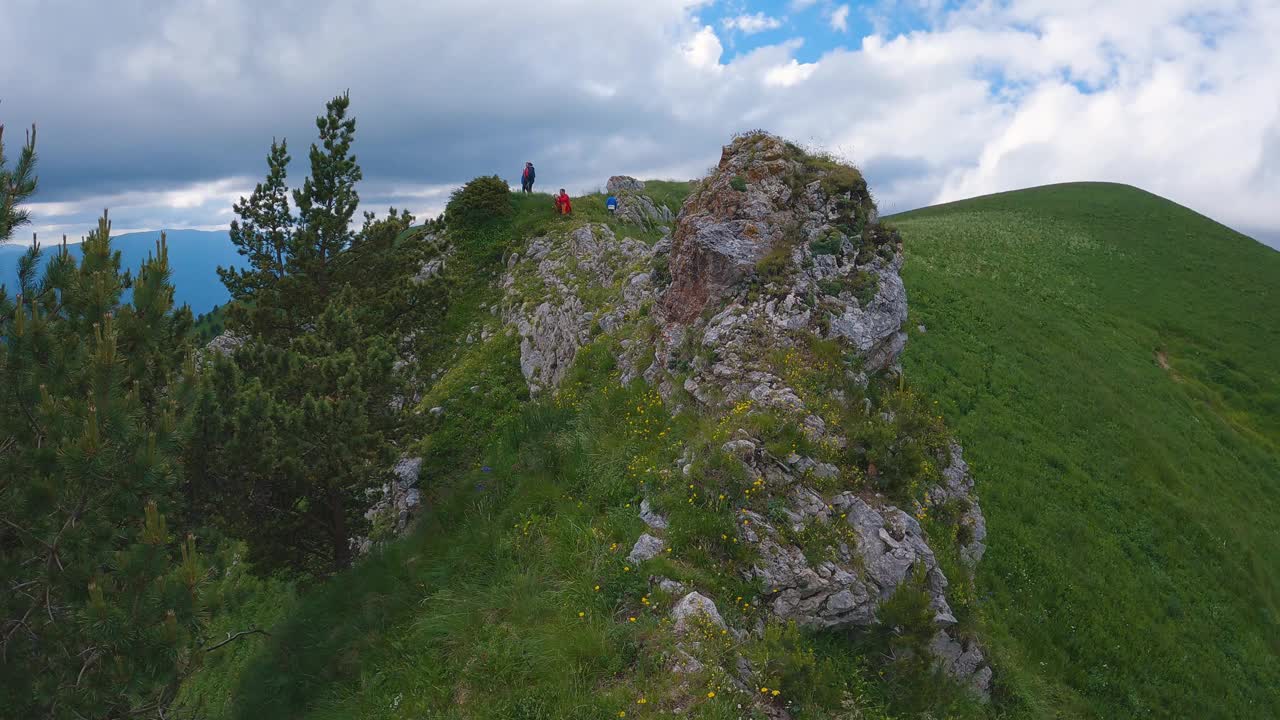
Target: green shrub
{"x": 775, "y": 267}
{"x": 738, "y": 183}
{"x": 660, "y": 269}
{"x": 482, "y": 199}
{"x": 862, "y": 284}
{"x": 828, "y": 244}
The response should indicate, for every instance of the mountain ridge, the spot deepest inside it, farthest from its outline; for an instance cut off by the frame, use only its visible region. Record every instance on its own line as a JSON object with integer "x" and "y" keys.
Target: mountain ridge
{"x": 194, "y": 256}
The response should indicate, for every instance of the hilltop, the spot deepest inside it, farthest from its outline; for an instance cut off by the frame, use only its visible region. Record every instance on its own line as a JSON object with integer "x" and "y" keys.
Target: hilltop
{"x": 1108, "y": 359}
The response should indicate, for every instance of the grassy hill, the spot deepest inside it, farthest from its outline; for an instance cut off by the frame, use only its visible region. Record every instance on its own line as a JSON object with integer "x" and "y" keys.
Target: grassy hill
{"x": 1111, "y": 362}
{"x": 1132, "y": 569}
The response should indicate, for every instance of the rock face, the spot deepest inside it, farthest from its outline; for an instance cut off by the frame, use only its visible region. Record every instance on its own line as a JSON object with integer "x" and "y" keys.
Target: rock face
{"x": 959, "y": 488}
{"x": 769, "y": 246}
{"x": 871, "y": 550}
{"x": 564, "y": 271}
{"x": 395, "y": 503}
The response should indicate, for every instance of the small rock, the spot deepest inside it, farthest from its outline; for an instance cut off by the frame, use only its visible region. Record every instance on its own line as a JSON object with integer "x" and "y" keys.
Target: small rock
{"x": 693, "y": 608}
{"x": 646, "y": 548}
{"x": 668, "y": 585}
{"x": 436, "y": 411}
{"x": 651, "y": 518}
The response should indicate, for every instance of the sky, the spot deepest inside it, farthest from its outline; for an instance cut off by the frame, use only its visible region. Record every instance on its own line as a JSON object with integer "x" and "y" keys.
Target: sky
{"x": 164, "y": 112}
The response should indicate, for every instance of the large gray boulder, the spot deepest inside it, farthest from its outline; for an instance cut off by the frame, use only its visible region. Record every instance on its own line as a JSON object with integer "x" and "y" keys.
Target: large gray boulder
{"x": 624, "y": 183}
{"x": 634, "y": 206}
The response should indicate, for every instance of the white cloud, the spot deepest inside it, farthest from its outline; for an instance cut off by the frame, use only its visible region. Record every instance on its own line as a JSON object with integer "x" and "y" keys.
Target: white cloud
{"x": 752, "y": 24}
{"x": 704, "y": 49}
{"x": 839, "y": 18}
{"x": 789, "y": 74}
{"x": 1177, "y": 97}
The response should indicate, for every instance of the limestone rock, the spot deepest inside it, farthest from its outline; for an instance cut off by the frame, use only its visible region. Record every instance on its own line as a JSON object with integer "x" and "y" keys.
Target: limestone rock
{"x": 395, "y": 503}
{"x": 623, "y": 183}
{"x": 650, "y": 517}
{"x": 646, "y": 548}
{"x": 762, "y": 251}
{"x": 692, "y": 609}
{"x": 963, "y": 661}
{"x": 552, "y": 319}
{"x": 634, "y": 206}
{"x": 225, "y": 343}
{"x": 958, "y": 487}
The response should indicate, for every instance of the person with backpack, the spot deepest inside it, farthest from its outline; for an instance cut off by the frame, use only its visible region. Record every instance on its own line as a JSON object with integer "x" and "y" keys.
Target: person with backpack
{"x": 527, "y": 178}
{"x": 563, "y": 204}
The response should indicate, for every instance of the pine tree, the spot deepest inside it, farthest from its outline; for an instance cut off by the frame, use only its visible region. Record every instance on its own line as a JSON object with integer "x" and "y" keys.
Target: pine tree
{"x": 16, "y": 185}
{"x": 299, "y": 425}
{"x": 263, "y": 233}
{"x": 101, "y": 606}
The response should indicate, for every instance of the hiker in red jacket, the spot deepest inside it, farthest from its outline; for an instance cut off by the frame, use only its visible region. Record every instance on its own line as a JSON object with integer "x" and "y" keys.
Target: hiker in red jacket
{"x": 562, "y": 203}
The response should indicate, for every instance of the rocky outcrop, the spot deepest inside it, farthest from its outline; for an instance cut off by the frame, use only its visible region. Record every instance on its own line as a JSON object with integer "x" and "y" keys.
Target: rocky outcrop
{"x": 774, "y": 248}
{"x": 395, "y": 503}
{"x": 564, "y": 270}
{"x": 225, "y": 343}
{"x": 836, "y": 560}
{"x": 773, "y": 244}
{"x": 634, "y": 206}
{"x": 958, "y": 488}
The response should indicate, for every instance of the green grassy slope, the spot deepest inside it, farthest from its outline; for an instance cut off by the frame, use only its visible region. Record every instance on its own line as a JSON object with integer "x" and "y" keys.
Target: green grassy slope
{"x": 513, "y": 597}
{"x": 1134, "y": 566}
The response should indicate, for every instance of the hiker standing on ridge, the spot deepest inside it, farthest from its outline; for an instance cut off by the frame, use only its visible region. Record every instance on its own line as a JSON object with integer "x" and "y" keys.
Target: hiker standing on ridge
{"x": 562, "y": 203}
{"x": 527, "y": 178}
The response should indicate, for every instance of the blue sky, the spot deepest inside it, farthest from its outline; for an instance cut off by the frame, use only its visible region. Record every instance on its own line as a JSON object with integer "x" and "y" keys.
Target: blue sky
{"x": 819, "y": 25}
{"x": 164, "y": 111}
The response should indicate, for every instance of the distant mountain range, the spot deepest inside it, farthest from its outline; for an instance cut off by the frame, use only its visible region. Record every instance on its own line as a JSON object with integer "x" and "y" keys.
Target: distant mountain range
{"x": 194, "y": 256}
